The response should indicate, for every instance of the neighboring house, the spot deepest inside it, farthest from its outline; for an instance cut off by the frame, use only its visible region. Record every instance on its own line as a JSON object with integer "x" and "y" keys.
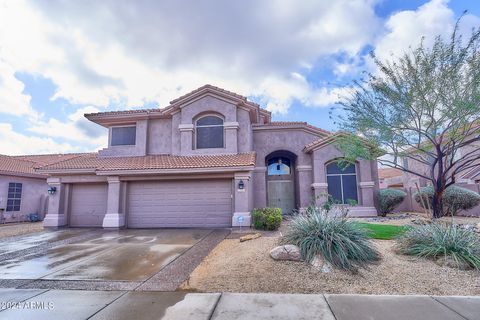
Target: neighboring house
{"x": 469, "y": 179}
{"x": 390, "y": 178}
{"x": 206, "y": 160}
{"x": 22, "y": 190}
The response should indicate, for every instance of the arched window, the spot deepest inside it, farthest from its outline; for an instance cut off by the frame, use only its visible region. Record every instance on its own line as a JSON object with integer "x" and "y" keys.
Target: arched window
{"x": 342, "y": 183}
{"x": 209, "y": 132}
{"x": 278, "y": 166}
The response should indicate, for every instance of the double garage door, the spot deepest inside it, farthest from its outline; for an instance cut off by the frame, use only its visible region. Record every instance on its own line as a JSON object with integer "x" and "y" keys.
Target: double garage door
{"x": 158, "y": 204}
{"x": 193, "y": 203}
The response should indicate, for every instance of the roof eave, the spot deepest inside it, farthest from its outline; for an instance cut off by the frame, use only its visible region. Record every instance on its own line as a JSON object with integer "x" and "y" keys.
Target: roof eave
{"x": 107, "y": 120}
{"x": 22, "y": 174}
{"x": 66, "y": 171}
{"x": 123, "y": 172}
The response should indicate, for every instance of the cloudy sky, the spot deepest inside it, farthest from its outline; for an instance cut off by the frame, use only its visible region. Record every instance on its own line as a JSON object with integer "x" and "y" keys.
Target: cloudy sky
{"x": 61, "y": 59}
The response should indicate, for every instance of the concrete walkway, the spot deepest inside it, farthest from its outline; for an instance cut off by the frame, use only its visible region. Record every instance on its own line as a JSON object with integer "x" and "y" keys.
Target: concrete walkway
{"x": 81, "y": 304}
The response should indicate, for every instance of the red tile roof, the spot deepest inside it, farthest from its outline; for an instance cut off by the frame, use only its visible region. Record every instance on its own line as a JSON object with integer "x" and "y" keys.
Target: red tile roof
{"x": 121, "y": 112}
{"x": 98, "y": 163}
{"x": 10, "y": 165}
{"x": 45, "y": 159}
{"x": 384, "y": 173}
{"x": 165, "y": 111}
{"x": 25, "y": 165}
{"x": 292, "y": 124}
{"x": 209, "y": 86}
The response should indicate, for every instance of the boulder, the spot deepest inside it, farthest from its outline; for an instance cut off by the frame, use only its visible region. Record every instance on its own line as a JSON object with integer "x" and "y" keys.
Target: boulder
{"x": 317, "y": 262}
{"x": 250, "y": 237}
{"x": 321, "y": 265}
{"x": 286, "y": 252}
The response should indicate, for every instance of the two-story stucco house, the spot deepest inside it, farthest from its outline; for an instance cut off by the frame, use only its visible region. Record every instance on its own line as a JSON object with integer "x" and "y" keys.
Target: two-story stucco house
{"x": 206, "y": 160}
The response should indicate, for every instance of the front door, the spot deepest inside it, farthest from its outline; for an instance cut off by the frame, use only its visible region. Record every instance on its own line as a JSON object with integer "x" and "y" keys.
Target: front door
{"x": 281, "y": 195}
{"x": 280, "y": 184}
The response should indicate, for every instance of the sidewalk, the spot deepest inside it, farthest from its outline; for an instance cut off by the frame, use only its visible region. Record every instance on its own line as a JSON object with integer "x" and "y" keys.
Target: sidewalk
{"x": 81, "y": 304}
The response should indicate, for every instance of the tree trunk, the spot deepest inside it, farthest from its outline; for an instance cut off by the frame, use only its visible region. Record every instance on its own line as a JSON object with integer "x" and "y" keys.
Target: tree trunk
{"x": 437, "y": 204}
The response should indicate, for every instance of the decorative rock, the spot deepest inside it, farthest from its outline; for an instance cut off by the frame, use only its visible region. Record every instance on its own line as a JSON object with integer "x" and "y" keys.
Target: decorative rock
{"x": 321, "y": 265}
{"x": 317, "y": 262}
{"x": 446, "y": 261}
{"x": 286, "y": 252}
{"x": 250, "y": 237}
{"x": 327, "y": 267}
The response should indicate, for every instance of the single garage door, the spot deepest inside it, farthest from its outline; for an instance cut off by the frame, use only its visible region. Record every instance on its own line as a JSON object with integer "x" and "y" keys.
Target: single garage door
{"x": 177, "y": 204}
{"x": 88, "y": 205}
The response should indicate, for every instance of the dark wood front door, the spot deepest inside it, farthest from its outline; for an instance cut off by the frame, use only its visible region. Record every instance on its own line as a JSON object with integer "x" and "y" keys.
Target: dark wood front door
{"x": 280, "y": 184}
{"x": 281, "y": 195}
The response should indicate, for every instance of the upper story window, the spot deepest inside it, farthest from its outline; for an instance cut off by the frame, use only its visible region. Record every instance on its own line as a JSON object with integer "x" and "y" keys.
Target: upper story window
{"x": 14, "y": 197}
{"x": 209, "y": 132}
{"x": 123, "y": 136}
{"x": 278, "y": 166}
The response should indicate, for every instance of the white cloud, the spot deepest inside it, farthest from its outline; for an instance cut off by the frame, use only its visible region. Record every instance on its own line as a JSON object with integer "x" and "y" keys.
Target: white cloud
{"x": 324, "y": 97}
{"x": 14, "y": 143}
{"x": 77, "y": 129}
{"x": 99, "y": 52}
{"x": 406, "y": 28}
{"x": 12, "y": 99}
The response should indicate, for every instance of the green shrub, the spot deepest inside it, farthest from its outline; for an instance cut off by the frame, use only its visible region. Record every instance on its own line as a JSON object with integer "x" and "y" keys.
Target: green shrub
{"x": 341, "y": 242}
{"x": 388, "y": 199}
{"x": 267, "y": 218}
{"x": 454, "y": 199}
{"x": 439, "y": 240}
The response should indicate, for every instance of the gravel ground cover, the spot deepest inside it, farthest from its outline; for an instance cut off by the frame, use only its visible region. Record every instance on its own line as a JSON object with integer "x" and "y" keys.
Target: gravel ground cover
{"x": 247, "y": 267}
{"x": 15, "y": 229}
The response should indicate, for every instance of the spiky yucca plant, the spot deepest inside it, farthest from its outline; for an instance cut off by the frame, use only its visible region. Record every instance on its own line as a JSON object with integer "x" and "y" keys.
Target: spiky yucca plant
{"x": 341, "y": 242}
{"x": 439, "y": 240}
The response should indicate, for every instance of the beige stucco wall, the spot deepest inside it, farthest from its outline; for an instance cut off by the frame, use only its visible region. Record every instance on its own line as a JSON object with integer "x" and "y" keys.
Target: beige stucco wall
{"x": 34, "y": 196}
{"x": 160, "y": 136}
{"x": 267, "y": 141}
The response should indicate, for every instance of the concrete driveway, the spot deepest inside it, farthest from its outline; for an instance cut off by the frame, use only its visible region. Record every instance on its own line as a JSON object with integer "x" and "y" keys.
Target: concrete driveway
{"x": 103, "y": 260}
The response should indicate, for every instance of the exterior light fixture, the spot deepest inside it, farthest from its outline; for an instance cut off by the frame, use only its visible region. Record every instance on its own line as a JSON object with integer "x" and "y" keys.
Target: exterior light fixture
{"x": 52, "y": 190}
{"x": 241, "y": 185}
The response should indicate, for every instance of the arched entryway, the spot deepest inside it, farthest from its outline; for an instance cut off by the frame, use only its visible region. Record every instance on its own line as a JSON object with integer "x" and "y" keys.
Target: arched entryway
{"x": 281, "y": 180}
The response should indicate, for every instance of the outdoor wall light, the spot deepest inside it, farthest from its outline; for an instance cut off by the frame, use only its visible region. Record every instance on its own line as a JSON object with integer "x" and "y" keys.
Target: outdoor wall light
{"x": 52, "y": 190}
{"x": 241, "y": 185}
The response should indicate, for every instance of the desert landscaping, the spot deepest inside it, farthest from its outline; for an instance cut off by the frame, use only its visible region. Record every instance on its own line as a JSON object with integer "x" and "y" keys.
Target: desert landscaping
{"x": 235, "y": 266}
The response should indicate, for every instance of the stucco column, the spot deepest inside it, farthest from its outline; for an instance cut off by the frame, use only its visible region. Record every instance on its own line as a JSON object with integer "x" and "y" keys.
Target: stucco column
{"x": 186, "y": 138}
{"x": 304, "y": 192}
{"x": 319, "y": 185}
{"x": 231, "y": 141}
{"x": 141, "y": 138}
{"x": 114, "y": 218}
{"x": 241, "y": 210}
{"x": 57, "y": 204}
{"x": 260, "y": 185}
{"x": 367, "y": 187}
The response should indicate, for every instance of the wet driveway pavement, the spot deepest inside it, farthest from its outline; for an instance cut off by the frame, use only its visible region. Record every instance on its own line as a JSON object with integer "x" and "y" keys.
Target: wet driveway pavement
{"x": 100, "y": 259}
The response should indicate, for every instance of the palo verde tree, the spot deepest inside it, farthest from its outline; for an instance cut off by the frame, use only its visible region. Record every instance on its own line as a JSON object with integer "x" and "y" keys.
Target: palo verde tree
{"x": 423, "y": 106}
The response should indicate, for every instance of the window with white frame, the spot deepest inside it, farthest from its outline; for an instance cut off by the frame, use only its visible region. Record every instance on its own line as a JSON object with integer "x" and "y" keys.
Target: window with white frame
{"x": 14, "y": 198}
{"x": 342, "y": 183}
{"x": 209, "y": 132}
{"x": 123, "y": 136}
